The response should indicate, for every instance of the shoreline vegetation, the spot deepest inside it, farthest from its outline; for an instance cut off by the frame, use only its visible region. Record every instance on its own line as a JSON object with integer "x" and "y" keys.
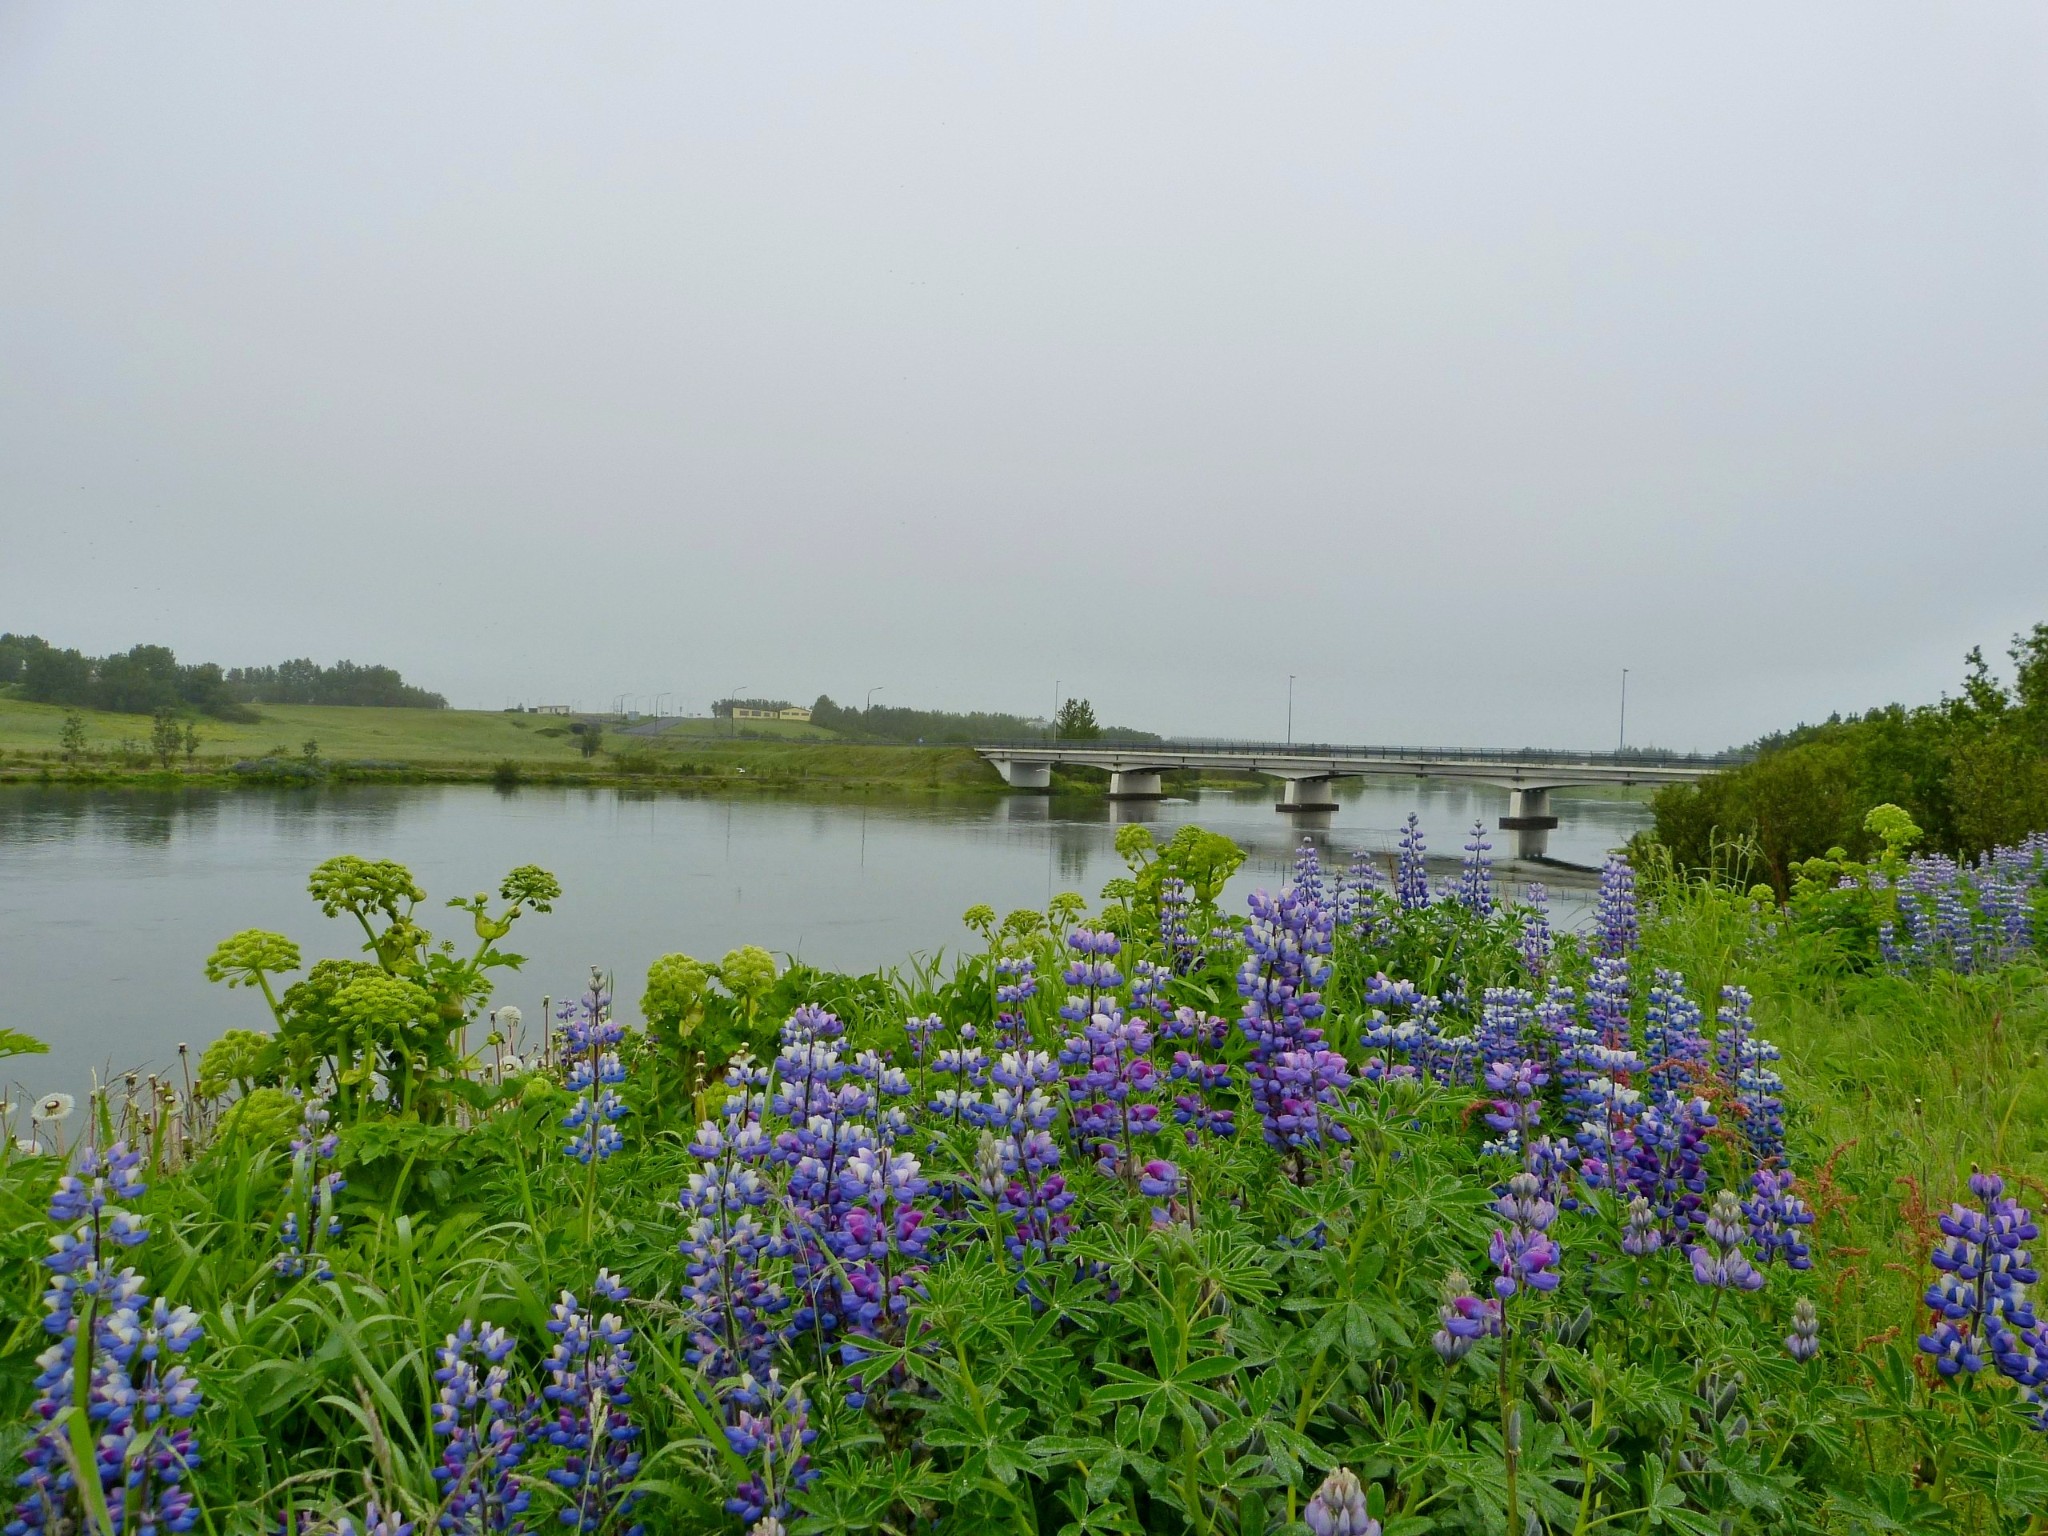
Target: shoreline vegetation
{"x": 1371, "y": 1206}
{"x": 338, "y": 744}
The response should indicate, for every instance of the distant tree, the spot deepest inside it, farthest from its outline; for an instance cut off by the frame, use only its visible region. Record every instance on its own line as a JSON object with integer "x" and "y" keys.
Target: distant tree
{"x": 588, "y": 734}
{"x": 191, "y": 742}
{"x": 1077, "y": 721}
{"x": 166, "y": 736}
{"x": 309, "y": 749}
{"x": 71, "y": 739}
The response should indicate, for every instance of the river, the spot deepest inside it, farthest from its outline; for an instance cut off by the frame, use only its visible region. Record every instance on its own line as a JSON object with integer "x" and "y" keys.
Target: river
{"x": 110, "y": 901}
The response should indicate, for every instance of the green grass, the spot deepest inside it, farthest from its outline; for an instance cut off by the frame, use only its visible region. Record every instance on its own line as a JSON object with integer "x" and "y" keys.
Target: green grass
{"x": 461, "y": 743}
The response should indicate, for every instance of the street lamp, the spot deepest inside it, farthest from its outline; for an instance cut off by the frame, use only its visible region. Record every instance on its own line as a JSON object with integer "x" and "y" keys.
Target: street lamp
{"x": 732, "y": 704}
{"x": 1622, "y": 745}
{"x": 657, "y": 701}
{"x": 871, "y": 696}
{"x": 1290, "y": 709}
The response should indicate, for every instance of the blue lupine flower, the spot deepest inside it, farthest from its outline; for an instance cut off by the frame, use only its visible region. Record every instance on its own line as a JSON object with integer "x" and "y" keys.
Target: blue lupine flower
{"x": 1523, "y": 1251}
{"x": 1537, "y": 941}
{"x": 1475, "y": 879}
{"x": 1614, "y": 914}
{"x": 1294, "y": 1076}
{"x": 1337, "y": 1508}
{"x": 1464, "y": 1319}
{"x": 1719, "y": 1262}
{"x": 589, "y": 1418}
{"x": 1411, "y": 869}
{"x": 1776, "y": 1217}
{"x": 590, "y": 1038}
{"x": 140, "y": 1403}
{"x": 772, "y": 1430}
{"x": 1979, "y": 1297}
{"x": 474, "y": 1413}
{"x": 1745, "y": 1060}
{"x": 1803, "y": 1342}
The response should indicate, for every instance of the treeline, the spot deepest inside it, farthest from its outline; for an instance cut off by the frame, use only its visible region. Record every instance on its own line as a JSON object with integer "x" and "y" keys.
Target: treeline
{"x": 307, "y": 682}
{"x": 1972, "y": 771}
{"x": 149, "y": 678}
{"x": 882, "y": 723}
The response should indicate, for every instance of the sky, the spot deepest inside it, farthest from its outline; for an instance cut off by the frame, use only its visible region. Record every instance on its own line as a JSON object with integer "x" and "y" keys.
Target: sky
{"x": 1448, "y": 359}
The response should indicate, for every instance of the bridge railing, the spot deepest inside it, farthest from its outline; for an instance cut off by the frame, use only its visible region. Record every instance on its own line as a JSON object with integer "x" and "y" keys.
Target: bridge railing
{"x": 1178, "y": 744}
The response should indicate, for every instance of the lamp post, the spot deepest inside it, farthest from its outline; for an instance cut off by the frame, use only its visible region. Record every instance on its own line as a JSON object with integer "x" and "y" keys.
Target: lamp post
{"x": 1055, "y": 711}
{"x": 1290, "y": 709}
{"x": 657, "y": 701}
{"x": 732, "y": 698}
{"x": 1622, "y": 745}
{"x": 871, "y": 697}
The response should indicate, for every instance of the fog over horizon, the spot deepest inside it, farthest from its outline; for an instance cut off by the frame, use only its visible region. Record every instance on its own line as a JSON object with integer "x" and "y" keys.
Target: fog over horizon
{"x": 1450, "y": 360}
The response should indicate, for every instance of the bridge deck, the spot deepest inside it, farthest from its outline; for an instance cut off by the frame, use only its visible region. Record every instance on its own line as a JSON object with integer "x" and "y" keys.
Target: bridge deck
{"x": 1526, "y": 768}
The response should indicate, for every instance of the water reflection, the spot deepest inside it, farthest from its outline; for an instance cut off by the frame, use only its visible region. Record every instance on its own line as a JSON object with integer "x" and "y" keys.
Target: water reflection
{"x": 110, "y": 901}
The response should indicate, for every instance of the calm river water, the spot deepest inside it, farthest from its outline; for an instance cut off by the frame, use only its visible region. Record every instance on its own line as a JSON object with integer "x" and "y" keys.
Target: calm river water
{"x": 110, "y": 901}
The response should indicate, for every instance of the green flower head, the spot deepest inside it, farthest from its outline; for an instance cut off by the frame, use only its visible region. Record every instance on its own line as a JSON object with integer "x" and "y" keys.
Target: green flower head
{"x": 253, "y": 952}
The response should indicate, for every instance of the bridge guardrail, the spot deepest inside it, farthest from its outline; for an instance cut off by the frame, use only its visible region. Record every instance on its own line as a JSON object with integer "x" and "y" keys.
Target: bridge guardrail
{"x": 1561, "y": 757}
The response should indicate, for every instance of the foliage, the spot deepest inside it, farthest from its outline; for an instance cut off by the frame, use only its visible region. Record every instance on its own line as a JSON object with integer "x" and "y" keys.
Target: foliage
{"x": 883, "y": 722}
{"x": 1076, "y": 721}
{"x": 305, "y": 681}
{"x": 1971, "y": 770}
{"x": 1391, "y": 1212}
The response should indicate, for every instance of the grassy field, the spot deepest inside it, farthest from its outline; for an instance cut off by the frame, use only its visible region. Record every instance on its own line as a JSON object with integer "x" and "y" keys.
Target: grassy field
{"x": 453, "y": 743}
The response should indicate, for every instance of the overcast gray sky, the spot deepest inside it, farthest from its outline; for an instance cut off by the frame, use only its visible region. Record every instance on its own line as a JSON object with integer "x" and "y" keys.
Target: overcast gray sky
{"x": 1450, "y": 357}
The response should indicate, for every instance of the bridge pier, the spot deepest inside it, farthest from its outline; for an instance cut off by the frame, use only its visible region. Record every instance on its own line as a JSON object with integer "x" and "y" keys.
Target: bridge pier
{"x": 1307, "y": 794}
{"x": 1134, "y": 784}
{"x": 1530, "y": 820}
{"x": 1019, "y": 775}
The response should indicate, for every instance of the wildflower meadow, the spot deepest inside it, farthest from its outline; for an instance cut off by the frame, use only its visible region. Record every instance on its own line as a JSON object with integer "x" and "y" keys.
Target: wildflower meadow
{"x": 1383, "y": 1205}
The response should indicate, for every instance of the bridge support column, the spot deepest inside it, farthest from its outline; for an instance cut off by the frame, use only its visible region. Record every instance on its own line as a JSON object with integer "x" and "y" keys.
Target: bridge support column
{"x": 1024, "y": 775}
{"x": 1530, "y": 820}
{"x": 1307, "y": 795}
{"x": 1134, "y": 784}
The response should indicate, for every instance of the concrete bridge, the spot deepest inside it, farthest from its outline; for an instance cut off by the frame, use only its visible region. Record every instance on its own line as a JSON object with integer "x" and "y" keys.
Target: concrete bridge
{"x": 1307, "y": 772}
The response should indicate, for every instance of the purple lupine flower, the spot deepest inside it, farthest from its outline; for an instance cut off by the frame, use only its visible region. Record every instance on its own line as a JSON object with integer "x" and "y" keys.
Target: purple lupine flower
{"x": 1308, "y": 874}
{"x": 1110, "y": 1088}
{"x": 1674, "y": 1043}
{"x": 920, "y": 1031}
{"x": 474, "y": 1414}
{"x": 1158, "y": 1179}
{"x": 1665, "y": 1162}
{"x": 1776, "y": 1216}
{"x": 1176, "y": 930}
{"x": 1719, "y": 1262}
{"x": 772, "y": 1430}
{"x": 1464, "y": 1319}
{"x": 1614, "y": 913}
{"x": 1522, "y": 1250}
{"x": 1515, "y": 1111}
{"x": 1411, "y": 869}
{"x": 1475, "y": 878}
{"x": 1641, "y": 1237}
{"x": 1090, "y": 974}
{"x": 589, "y": 1421}
{"x": 1745, "y": 1061}
{"x": 1295, "y": 1078}
{"x": 729, "y": 1299}
{"x": 1979, "y": 1298}
{"x": 1803, "y": 1342}
{"x": 880, "y": 1245}
{"x": 139, "y": 1401}
{"x": 1021, "y": 1111}
{"x": 1337, "y": 1508}
{"x": 1537, "y": 941}
{"x": 1358, "y": 899}
{"x": 309, "y": 1217}
{"x": 590, "y": 1039}
{"x": 1016, "y": 985}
